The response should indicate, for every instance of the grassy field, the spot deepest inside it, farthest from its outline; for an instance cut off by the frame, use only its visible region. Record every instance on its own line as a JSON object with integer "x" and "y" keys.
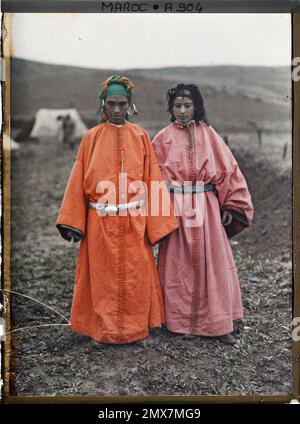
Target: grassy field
{"x": 51, "y": 360}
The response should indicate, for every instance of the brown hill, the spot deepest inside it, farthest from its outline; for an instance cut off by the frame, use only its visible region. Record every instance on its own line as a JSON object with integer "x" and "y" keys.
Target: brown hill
{"x": 234, "y": 95}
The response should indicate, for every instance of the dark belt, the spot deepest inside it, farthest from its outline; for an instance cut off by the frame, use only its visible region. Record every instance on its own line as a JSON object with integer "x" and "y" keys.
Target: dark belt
{"x": 190, "y": 189}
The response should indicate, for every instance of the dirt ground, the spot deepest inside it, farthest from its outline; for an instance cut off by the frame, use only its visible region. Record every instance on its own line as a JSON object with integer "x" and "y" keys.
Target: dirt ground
{"x": 51, "y": 360}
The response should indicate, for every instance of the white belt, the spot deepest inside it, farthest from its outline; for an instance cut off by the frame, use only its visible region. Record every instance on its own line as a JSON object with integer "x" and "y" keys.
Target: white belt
{"x": 117, "y": 208}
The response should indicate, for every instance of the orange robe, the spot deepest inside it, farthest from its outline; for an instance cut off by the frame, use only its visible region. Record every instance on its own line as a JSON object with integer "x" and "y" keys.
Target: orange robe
{"x": 117, "y": 295}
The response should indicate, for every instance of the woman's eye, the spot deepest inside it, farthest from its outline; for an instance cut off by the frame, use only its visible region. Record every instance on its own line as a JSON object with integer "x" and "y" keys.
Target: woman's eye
{"x": 187, "y": 106}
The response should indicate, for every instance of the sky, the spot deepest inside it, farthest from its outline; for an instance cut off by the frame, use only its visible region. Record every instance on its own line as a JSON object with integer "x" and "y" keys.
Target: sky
{"x": 127, "y": 41}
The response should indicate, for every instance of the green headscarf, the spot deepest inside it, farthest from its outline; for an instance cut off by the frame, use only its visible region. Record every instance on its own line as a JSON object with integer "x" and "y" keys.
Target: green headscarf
{"x": 116, "y": 84}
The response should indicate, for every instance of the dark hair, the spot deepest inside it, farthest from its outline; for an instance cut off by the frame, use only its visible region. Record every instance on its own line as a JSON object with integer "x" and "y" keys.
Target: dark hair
{"x": 194, "y": 94}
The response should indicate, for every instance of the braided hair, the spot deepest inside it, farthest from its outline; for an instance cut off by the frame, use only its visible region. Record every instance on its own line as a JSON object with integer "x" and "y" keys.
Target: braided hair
{"x": 191, "y": 91}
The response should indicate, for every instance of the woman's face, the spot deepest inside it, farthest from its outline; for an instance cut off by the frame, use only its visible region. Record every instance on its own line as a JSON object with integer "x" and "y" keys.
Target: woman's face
{"x": 183, "y": 110}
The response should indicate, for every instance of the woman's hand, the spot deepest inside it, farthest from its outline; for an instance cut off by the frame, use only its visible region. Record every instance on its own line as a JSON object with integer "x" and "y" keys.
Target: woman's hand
{"x": 226, "y": 217}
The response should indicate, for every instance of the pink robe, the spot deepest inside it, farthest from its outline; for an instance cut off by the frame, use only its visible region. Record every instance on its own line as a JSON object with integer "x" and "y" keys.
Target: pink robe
{"x": 195, "y": 264}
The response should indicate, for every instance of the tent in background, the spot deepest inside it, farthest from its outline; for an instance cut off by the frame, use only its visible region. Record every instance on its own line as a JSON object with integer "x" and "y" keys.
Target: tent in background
{"x": 46, "y": 123}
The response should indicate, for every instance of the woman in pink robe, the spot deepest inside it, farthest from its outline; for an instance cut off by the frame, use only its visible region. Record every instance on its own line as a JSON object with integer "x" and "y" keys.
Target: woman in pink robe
{"x": 211, "y": 199}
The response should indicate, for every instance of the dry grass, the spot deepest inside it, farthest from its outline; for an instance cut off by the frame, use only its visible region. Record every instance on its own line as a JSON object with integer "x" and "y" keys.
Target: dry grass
{"x": 54, "y": 361}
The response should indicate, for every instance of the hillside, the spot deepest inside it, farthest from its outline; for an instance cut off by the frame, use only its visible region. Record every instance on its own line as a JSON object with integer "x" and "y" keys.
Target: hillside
{"x": 49, "y": 358}
{"x": 234, "y": 95}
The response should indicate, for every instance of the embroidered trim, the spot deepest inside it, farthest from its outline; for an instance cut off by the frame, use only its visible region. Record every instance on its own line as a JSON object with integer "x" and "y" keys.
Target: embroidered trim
{"x": 195, "y": 251}
{"x": 121, "y": 260}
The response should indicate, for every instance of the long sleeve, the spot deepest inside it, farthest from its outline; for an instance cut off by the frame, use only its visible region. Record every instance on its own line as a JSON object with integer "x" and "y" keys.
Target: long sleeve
{"x": 160, "y": 151}
{"x": 161, "y": 219}
{"x": 72, "y": 213}
{"x": 234, "y": 195}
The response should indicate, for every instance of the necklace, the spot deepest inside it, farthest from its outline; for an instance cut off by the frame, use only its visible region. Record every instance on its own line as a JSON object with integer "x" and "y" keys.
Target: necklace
{"x": 189, "y": 124}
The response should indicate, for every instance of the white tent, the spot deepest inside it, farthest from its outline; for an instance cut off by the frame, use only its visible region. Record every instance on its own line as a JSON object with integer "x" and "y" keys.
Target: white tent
{"x": 47, "y": 125}
{"x": 9, "y": 143}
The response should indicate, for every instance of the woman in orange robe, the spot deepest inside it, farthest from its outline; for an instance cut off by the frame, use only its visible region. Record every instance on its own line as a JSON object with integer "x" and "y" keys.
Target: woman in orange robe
{"x": 117, "y": 295}
{"x": 211, "y": 198}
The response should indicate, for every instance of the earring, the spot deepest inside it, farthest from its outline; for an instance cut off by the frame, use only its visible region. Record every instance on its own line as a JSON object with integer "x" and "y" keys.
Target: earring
{"x": 102, "y": 111}
{"x": 135, "y": 112}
